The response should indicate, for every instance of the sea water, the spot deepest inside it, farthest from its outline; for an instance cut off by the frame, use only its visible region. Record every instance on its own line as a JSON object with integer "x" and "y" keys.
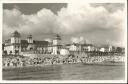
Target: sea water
{"x": 77, "y": 71}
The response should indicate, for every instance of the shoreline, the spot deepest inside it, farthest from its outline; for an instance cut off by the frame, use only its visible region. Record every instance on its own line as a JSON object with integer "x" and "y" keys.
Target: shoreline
{"x": 40, "y": 65}
{"x": 84, "y": 63}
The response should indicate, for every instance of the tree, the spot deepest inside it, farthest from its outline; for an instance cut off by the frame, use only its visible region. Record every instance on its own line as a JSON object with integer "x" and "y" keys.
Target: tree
{"x": 119, "y": 49}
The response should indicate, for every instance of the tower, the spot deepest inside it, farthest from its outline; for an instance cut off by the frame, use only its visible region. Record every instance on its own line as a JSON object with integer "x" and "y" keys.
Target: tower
{"x": 16, "y": 43}
{"x": 29, "y": 39}
{"x": 56, "y": 44}
{"x": 30, "y": 42}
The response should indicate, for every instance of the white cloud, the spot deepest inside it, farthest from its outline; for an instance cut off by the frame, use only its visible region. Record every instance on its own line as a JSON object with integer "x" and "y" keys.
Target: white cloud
{"x": 75, "y": 40}
{"x": 13, "y": 18}
{"x": 78, "y": 40}
{"x": 48, "y": 39}
{"x": 78, "y": 18}
{"x": 92, "y": 23}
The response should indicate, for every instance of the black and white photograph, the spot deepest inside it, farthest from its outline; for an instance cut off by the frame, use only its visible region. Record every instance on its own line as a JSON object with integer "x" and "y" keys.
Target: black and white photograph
{"x": 63, "y": 41}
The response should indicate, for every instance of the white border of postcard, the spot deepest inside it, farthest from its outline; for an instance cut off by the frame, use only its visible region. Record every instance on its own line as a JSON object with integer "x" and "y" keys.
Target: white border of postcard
{"x": 62, "y": 1}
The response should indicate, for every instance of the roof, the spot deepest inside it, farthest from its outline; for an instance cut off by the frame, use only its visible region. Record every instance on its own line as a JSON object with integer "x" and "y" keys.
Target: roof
{"x": 68, "y": 44}
{"x": 41, "y": 42}
{"x": 76, "y": 44}
{"x": 24, "y": 41}
{"x": 87, "y": 45}
{"x": 8, "y": 41}
{"x": 15, "y": 34}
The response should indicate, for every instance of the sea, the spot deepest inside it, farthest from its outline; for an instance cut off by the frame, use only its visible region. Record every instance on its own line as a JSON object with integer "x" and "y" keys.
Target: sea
{"x": 77, "y": 71}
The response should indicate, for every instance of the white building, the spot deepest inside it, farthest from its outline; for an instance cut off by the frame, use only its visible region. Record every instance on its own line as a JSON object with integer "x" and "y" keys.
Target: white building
{"x": 102, "y": 49}
{"x": 87, "y": 47}
{"x": 73, "y": 47}
{"x": 13, "y": 45}
{"x": 56, "y": 45}
{"x": 106, "y": 48}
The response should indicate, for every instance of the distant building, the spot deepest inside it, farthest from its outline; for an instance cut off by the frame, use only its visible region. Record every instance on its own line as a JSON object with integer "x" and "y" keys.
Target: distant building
{"x": 106, "y": 48}
{"x": 80, "y": 47}
{"x": 88, "y": 47}
{"x": 73, "y": 47}
{"x": 102, "y": 49}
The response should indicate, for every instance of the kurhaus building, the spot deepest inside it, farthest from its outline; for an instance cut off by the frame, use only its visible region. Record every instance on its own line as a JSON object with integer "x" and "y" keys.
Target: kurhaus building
{"x": 16, "y": 46}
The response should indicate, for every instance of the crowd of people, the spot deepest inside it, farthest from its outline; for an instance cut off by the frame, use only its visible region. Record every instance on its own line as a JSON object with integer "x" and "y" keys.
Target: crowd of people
{"x": 97, "y": 59}
{"x": 20, "y": 61}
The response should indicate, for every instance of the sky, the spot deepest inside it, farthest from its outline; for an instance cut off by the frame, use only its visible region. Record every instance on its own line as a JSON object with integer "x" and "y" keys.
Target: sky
{"x": 96, "y": 23}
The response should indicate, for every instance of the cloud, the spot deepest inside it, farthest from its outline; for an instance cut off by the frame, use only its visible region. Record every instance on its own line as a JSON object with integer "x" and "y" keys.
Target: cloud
{"x": 77, "y": 39}
{"x": 13, "y": 18}
{"x": 84, "y": 18}
{"x": 89, "y": 22}
{"x": 44, "y": 21}
{"x": 109, "y": 6}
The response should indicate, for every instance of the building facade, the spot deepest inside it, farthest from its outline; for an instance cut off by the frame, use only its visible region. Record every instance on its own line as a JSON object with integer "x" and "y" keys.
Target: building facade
{"x": 13, "y": 45}
{"x": 16, "y": 46}
{"x": 57, "y": 46}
